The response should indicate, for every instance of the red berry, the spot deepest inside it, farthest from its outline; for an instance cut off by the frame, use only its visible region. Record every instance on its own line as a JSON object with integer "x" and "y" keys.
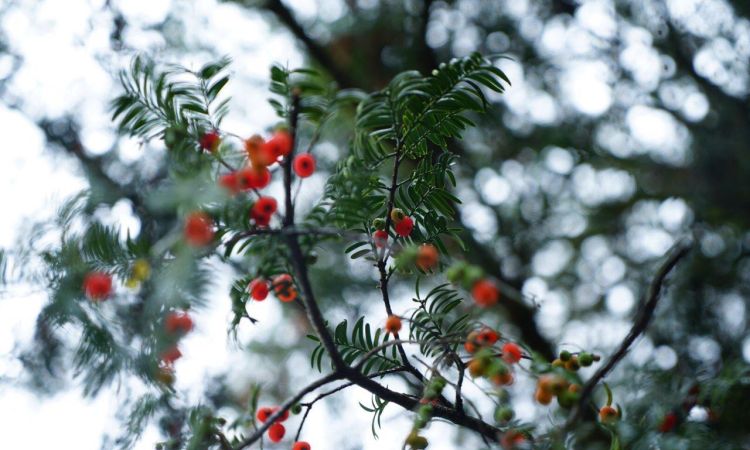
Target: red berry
{"x": 427, "y": 257}
{"x": 485, "y": 293}
{"x": 380, "y": 238}
{"x": 276, "y": 432}
{"x": 97, "y": 285}
{"x": 608, "y": 414}
{"x": 264, "y": 413}
{"x": 404, "y": 226}
{"x": 280, "y": 143}
{"x": 304, "y": 165}
{"x": 393, "y": 324}
{"x": 199, "y": 229}
{"x": 231, "y": 182}
{"x": 178, "y": 322}
{"x": 254, "y": 177}
{"x": 283, "y": 416}
{"x": 511, "y": 353}
{"x": 260, "y": 220}
{"x": 265, "y": 206}
{"x": 283, "y": 287}
{"x": 668, "y": 423}
{"x": 210, "y": 141}
{"x": 301, "y": 445}
{"x": 170, "y": 355}
{"x": 258, "y": 289}
{"x": 487, "y": 337}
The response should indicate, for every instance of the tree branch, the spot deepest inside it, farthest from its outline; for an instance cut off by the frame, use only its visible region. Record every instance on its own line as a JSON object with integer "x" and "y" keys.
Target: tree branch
{"x": 641, "y": 322}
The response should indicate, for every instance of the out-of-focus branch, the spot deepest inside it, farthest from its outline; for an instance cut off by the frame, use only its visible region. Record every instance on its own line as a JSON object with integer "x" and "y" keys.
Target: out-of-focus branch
{"x": 641, "y": 322}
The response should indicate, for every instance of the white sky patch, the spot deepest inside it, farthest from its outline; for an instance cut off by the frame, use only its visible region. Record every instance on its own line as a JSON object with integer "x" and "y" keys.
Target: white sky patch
{"x": 586, "y": 86}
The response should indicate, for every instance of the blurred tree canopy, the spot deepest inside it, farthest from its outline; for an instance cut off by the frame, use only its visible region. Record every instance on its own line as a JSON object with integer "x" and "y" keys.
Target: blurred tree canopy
{"x": 625, "y": 130}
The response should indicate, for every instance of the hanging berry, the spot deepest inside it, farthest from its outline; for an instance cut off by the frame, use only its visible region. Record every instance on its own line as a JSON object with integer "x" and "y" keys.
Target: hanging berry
{"x": 393, "y": 324}
{"x": 210, "y": 141}
{"x": 304, "y": 165}
{"x": 276, "y": 432}
{"x": 199, "y": 229}
{"x": 485, "y": 293}
{"x": 97, "y": 286}
{"x": 280, "y": 144}
{"x": 178, "y": 322}
{"x": 608, "y": 414}
{"x": 487, "y": 337}
{"x": 258, "y": 152}
{"x": 283, "y": 287}
{"x": 427, "y": 257}
{"x": 170, "y": 355}
{"x": 258, "y": 289}
{"x": 256, "y": 177}
{"x": 265, "y": 206}
{"x": 511, "y": 353}
{"x": 380, "y": 238}
{"x": 231, "y": 182}
{"x": 301, "y": 445}
{"x": 668, "y": 423}
{"x": 264, "y": 413}
{"x": 404, "y": 227}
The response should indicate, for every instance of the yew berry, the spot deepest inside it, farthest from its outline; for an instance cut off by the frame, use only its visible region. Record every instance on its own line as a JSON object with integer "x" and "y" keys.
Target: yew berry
{"x": 283, "y": 416}
{"x": 397, "y": 215}
{"x": 487, "y": 337}
{"x": 284, "y": 289}
{"x": 264, "y": 413}
{"x": 572, "y": 364}
{"x": 471, "y": 342}
{"x": 265, "y": 206}
{"x": 231, "y": 182}
{"x": 511, "y": 439}
{"x": 258, "y": 152}
{"x": 97, "y": 286}
{"x": 503, "y": 378}
{"x": 485, "y": 293}
{"x": 404, "y": 227}
{"x": 210, "y": 141}
{"x": 280, "y": 144}
{"x": 511, "y": 353}
{"x": 427, "y": 257}
{"x": 477, "y": 367}
{"x": 178, "y": 322}
{"x": 260, "y": 220}
{"x": 301, "y": 445}
{"x": 668, "y": 422}
{"x": 199, "y": 229}
{"x": 608, "y": 414}
{"x": 304, "y": 165}
{"x": 165, "y": 375}
{"x": 258, "y": 289}
{"x": 170, "y": 355}
{"x": 256, "y": 177}
{"x": 393, "y": 324}
{"x": 543, "y": 397}
{"x": 276, "y": 432}
{"x": 380, "y": 238}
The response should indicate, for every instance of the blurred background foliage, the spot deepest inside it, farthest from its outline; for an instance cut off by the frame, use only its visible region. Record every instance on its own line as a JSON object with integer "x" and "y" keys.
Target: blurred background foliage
{"x": 626, "y": 128}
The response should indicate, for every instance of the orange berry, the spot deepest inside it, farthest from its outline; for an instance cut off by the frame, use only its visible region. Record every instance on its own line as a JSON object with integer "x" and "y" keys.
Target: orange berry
{"x": 477, "y": 367}
{"x": 283, "y": 287}
{"x": 427, "y": 257}
{"x": 511, "y": 439}
{"x": 503, "y": 379}
{"x": 485, "y": 293}
{"x": 608, "y": 414}
{"x": 259, "y": 154}
{"x": 543, "y": 397}
{"x": 393, "y": 324}
{"x": 487, "y": 337}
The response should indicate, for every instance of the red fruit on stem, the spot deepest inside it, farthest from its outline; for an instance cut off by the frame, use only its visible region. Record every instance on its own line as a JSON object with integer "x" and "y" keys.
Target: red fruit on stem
{"x": 511, "y": 353}
{"x": 427, "y": 257}
{"x": 393, "y": 324}
{"x": 487, "y": 337}
{"x": 210, "y": 141}
{"x": 280, "y": 143}
{"x": 170, "y": 355}
{"x": 276, "y": 432}
{"x": 178, "y": 322}
{"x": 485, "y": 293}
{"x": 97, "y": 285}
{"x": 265, "y": 206}
{"x": 404, "y": 226}
{"x": 304, "y": 165}
{"x": 283, "y": 416}
{"x": 283, "y": 287}
{"x": 259, "y": 152}
{"x": 380, "y": 238}
{"x": 199, "y": 229}
{"x": 231, "y": 182}
{"x": 264, "y": 413}
{"x": 258, "y": 289}
{"x": 301, "y": 445}
{"x": 254, "y": 177}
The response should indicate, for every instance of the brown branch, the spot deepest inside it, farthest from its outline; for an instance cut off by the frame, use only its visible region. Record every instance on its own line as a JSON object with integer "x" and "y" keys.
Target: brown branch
{"x": 641, "y": 322}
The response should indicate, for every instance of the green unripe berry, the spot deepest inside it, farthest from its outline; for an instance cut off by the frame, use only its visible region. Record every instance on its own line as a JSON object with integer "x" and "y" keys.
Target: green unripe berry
{"x": 296, "y": 409}
{"x": 416, "y": 441}
{"x": 438, "y": 383}
{"x": 379, "y": 223}
{"x": 472, "y": 274}
{"x": 455, "y": 273}
{"x": 504, "y": 414}
{"x": 585, "y": 359}
{"x": 431, "y": 393}
{"x": 565, "y": 355}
